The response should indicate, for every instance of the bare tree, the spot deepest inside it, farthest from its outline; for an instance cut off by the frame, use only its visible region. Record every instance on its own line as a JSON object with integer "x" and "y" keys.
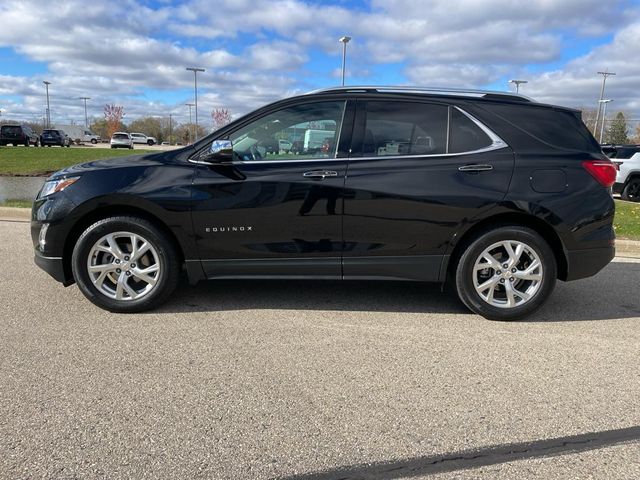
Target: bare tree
{"x": 589, "y": 118}
{"x": 113, "y": 114}
{"x": 221, "y": 117}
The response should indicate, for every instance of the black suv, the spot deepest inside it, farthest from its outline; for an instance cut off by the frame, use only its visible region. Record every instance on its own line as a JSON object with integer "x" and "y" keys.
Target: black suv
{"x": 493, "y": 192}
{"x": 18, "y": 135}
{"x": 55, "y": 137}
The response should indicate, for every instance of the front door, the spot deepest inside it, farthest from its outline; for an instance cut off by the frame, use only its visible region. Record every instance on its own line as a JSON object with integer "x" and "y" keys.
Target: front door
{"x": 275, "y": 210}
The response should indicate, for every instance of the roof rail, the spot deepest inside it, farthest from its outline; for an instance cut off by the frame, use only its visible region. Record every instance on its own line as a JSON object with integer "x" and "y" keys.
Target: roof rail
{"x": 458, "y": 92}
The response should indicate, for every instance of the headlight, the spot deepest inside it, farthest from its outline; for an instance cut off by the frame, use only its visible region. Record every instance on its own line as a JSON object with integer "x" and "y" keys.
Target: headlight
{"x": 54, "y": 186}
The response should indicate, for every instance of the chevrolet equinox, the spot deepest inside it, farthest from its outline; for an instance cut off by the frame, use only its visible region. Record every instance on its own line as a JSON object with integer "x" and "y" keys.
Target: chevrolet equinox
{"x": 491, "y": 192}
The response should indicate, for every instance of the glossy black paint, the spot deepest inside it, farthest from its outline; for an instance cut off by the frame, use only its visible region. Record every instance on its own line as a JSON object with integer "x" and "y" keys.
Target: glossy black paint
{"x": 385, "y": 217}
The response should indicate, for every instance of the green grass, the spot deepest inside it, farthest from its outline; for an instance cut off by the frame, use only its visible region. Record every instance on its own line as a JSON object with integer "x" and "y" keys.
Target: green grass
{"x": 627, "y": 220}
{"x": 43, "y": 161}
{"x": 17, "y": 203}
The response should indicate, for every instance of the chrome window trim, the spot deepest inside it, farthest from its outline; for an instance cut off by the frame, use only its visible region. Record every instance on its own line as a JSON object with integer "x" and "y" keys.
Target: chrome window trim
{"x": 496, "y": 141}
{"x": 496, "y": 144}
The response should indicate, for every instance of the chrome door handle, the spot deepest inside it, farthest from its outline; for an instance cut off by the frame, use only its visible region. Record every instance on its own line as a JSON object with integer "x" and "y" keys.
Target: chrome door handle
{"x": 320, "y": 174}
{"x": 475, "y": 168}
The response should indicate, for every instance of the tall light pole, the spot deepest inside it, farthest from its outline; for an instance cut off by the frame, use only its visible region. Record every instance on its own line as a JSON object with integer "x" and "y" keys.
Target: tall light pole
{"x": 46, "y": 85}
{"x": 86, "y": 119}
{"x": 195, "y": 91}
{"x": 604, "y": 115}
{"x": 344, "y": 40}
{"x": 604, "y": 74}
{"x": 517, "y": 83}
{"x": 190, "y": 126}
{"x": 170, "y": 128}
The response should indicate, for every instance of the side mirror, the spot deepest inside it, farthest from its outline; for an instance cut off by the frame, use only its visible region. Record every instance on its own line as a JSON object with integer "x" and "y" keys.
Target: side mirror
{"x": 220, "y": 151}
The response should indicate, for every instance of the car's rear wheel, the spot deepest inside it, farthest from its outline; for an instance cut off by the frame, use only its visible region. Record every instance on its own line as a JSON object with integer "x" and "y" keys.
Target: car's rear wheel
{"x": 506, "y": 273}
{"x": 94, "y": 141}
{"x": 125, "y": 264}
{"x": 631, "y": 190}
{"x": 150, "y": 142}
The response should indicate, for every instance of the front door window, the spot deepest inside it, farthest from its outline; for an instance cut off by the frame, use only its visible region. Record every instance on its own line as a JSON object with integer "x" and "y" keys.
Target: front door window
{"x": 307, "y": 131}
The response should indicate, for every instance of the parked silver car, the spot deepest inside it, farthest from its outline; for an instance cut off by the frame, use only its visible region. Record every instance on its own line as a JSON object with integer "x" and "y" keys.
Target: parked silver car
{"x": 121, "y": 140}
{"x": 143, "y": 139}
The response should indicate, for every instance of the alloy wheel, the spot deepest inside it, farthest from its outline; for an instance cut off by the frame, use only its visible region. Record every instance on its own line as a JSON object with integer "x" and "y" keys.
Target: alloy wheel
{"x": 124, "y": 266}
{"x": 508, "y": 274}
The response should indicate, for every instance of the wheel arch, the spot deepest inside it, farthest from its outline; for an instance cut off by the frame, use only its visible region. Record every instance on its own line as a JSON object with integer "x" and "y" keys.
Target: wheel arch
{"x": 100, "y": 213}
{"x": 504, "y": 219}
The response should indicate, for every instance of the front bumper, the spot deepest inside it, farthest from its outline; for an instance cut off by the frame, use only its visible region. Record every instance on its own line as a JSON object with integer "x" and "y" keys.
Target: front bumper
{"x": 586, "y": 263}
{"x": 54, "y": 266}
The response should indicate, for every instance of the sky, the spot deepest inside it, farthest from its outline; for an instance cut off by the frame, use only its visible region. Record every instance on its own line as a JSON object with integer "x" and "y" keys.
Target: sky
{"x": 134, "y": 52}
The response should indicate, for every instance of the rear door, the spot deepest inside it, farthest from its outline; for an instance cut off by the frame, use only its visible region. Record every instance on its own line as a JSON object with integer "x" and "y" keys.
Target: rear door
{"x": 417, "y": 171}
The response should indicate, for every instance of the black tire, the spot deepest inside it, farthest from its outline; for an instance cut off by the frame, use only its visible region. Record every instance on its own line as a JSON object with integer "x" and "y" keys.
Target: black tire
{"x": 167, "y": 278}
{"x": 150, "y": 142}
{"x": 94, "y": 141}
{"x": 631, "y": 191}
{"x": 464, "y": 273}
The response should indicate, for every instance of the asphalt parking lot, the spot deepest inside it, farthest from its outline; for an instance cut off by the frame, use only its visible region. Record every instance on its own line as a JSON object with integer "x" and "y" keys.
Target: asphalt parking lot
{"x": 294, "y": 380}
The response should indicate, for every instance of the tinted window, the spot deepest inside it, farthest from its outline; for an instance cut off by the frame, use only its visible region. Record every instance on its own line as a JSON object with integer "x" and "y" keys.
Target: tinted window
{"x": 121, "y": 136}
{"x": 554, "y": 126}
{"x": 11, "y": 130}
{"x": 304, "y": 131}
{"x": 465, "y": 135}
{"x": 626, "y": 152}
{"x": 404, "y": 128}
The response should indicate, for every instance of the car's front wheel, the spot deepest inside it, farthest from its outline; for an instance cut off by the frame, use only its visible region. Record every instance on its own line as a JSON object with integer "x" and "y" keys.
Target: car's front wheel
{"x": 125, "y": 264}
{"x": 506, "y": 273}
{"x": 631, "y": 190}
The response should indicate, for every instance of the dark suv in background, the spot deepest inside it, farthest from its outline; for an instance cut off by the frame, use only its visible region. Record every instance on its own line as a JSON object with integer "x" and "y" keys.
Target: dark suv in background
{"x": 56, "y": 137}
{"x": 491, "y": 192}
{"x": 18, "y": 135}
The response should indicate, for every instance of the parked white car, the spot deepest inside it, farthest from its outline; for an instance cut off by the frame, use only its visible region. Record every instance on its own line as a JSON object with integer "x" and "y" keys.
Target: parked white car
{"x": 121, "y": 140}
{"x": 143, "y": 139}
{"x": 79, "y": 134}
{"x": 627, "y": 157}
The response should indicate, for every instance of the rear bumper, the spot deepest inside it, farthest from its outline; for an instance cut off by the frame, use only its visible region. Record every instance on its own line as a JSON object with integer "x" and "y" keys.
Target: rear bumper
{"x": 53, "y": 266}
{"x": 586, "y": 263}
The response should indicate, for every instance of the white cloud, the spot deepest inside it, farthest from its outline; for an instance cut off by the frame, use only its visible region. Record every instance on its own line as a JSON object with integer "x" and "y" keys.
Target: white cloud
{"x": 115, "y": 51}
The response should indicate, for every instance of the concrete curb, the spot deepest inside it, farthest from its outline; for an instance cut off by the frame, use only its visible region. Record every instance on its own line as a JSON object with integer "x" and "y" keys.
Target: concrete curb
{"x": 15, "y": 214}
{"x": 624, "y": 248}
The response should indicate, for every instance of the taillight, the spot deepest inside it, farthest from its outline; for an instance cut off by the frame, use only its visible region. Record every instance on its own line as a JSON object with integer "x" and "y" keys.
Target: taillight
{"x": 604, "y": 171}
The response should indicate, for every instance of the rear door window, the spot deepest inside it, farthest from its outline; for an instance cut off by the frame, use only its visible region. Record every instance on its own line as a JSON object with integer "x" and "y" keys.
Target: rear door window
{"x": 404, "y": 128}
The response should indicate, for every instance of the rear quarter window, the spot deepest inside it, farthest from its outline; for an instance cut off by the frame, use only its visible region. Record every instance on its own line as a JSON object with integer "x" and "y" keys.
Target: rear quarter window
{"x": 554, "y": 126}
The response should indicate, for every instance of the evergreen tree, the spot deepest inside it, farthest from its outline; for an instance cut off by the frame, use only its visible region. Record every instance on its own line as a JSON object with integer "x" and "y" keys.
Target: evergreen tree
{"x": 617, "y": 131}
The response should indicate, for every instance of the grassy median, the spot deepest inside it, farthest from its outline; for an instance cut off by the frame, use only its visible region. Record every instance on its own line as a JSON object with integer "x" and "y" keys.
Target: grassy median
{"x": 627, "y": 221}
{"x": 43, "y": 161}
